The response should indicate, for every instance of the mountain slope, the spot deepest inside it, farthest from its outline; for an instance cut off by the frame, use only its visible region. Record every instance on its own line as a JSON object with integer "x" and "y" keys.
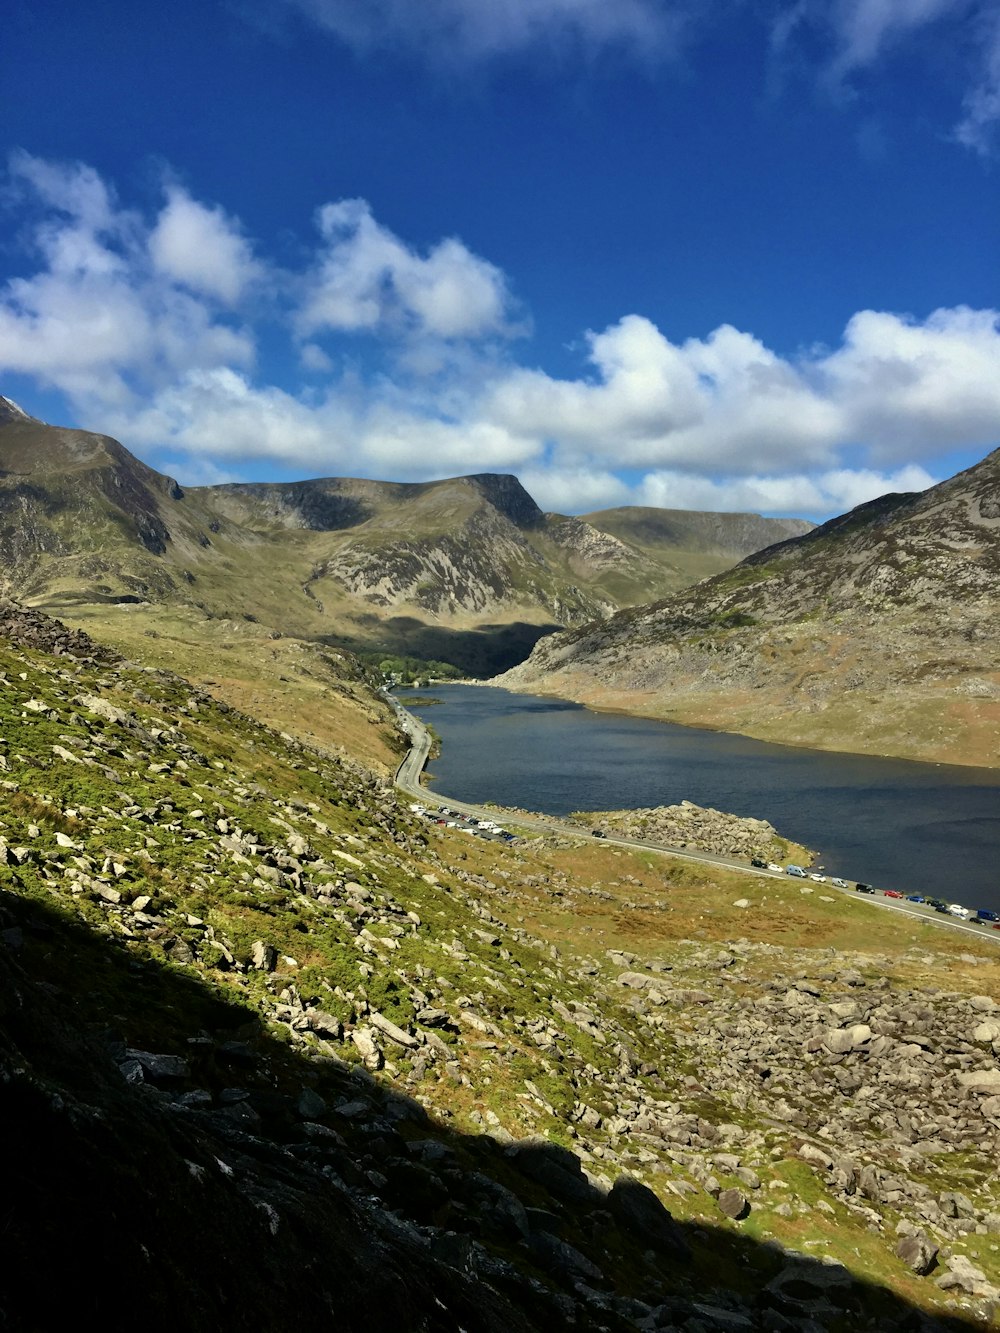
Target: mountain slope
{"x": 876, "y": 632}
{"x": 302, "y": 1060}
{"x": 468, "y": 570}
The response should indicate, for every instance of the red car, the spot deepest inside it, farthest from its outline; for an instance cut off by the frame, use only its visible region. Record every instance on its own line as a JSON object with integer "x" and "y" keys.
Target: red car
{"x": 891, "y": 893}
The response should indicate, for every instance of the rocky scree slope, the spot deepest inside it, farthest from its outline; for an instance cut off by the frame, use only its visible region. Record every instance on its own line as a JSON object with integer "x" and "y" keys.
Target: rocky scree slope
{"x": 372, "y": 564}
{"x": 250, "y": 1003}
{"x": 876, "y": 631}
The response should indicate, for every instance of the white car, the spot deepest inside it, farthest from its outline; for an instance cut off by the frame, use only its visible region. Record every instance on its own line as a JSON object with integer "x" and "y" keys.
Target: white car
{"x": 956, "y": 909}
{"x": 820, "y": 879}
{"x": 775, "y": 868}
{"x": 839, "y": 883}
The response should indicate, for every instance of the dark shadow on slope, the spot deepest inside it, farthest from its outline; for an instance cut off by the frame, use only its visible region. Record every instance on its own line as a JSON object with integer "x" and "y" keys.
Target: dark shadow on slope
{"x": 169, "y": 1164}
{"x": 482, "y": 652}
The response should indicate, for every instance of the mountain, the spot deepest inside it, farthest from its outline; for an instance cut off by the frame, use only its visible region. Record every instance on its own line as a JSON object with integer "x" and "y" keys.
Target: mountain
{"x": 299, "y": 1059}
{"x": 467, "y": 570}
{"x": 876, "y": 632}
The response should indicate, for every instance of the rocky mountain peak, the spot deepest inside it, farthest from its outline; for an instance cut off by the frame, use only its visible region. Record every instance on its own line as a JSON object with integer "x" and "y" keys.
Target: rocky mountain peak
{"x": 10, "y": 411}
{"x": 506, "y": 494}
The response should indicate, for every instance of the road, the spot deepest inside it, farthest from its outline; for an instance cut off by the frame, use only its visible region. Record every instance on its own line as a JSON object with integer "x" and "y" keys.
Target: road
{"x": 411, "y": 768}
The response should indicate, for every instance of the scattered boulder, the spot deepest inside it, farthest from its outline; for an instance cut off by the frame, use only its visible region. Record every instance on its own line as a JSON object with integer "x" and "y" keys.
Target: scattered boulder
{"x": 917, "y": 1252}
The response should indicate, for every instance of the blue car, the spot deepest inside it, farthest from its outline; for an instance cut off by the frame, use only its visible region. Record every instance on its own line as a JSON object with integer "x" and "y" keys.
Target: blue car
{"x": 984, "y": 914}
{"x": 915, "y": 898}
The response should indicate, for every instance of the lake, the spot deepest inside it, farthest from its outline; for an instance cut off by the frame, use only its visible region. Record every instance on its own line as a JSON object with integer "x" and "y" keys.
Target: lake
{"x": 922, "y": 828}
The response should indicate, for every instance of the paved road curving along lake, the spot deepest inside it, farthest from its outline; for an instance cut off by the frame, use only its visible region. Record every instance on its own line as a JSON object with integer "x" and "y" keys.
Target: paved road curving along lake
{"x": 923, "y": 828}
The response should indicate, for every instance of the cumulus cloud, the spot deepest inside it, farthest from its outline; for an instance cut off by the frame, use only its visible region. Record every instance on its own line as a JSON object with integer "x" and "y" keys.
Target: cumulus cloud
{"x": 472, "y": 31}
{"x": 144, "y": 343}
{"x": 98, "y": 316}
{"x": 202, "y": 248}
{"x": 368, "y": 279}
{"x": 904, "y": 387}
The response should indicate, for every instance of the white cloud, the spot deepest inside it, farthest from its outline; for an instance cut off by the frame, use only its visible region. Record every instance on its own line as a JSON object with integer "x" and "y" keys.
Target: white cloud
{"x": 865, "y": 29}
{"x": 145, "y": 348}
{"x": 97, "y": 320}
{"x": 908, "y": 388}
{"x": 367, "y": 279}
{"x": 202, "y": 248}
{"x": 315, "y": 359}
{"x": 471, "y": 31}
{"x": 978, "y": 126}
{"x": 830, "y": 492}
{"x": 861, "y": 35}
{"x": 575, "y": 490}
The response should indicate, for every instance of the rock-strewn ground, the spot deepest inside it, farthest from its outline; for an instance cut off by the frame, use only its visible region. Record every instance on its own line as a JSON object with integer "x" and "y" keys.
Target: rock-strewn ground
{"x": 292, "y": 1055}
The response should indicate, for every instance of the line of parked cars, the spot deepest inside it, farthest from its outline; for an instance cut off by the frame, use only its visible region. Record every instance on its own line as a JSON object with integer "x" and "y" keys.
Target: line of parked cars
{"x": 983, "y": 916}
{"x": 480, "y": 828}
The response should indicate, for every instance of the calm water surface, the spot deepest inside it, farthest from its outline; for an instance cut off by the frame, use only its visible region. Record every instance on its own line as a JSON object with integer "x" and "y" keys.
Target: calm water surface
{"x": 924, "y": 828}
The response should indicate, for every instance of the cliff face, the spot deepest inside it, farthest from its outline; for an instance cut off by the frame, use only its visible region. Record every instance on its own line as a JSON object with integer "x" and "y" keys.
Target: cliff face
{"x": 875, "y": 632}
{"x": 385, "y": 565}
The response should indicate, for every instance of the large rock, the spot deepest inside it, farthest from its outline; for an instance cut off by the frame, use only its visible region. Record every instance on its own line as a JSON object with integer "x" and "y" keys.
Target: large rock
{"x": 734, "y": 1204}
{"x": 984, "y": 1081}
{"x": 917, "y": 1252}
{"x": 808, "y": 1152}
{"x": 962, "y": 1274}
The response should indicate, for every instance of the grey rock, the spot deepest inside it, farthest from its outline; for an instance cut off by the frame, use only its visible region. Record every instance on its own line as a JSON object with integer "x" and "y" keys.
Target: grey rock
{"x": 264, "y": 957}
{"x": 917, "y": 1252}
{"x": 166, "y": 1069}
{"x": 734, "y": 1204}
{"x": 310, "y": 1105}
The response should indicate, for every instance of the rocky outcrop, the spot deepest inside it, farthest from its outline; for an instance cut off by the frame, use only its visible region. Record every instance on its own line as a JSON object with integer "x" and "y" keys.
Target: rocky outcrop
{"x": 693, "y": 826}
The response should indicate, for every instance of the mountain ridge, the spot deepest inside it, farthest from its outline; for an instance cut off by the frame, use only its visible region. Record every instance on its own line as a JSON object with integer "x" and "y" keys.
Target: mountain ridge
{"x": 466, "y": 569}
{"x": 874, "y": 632}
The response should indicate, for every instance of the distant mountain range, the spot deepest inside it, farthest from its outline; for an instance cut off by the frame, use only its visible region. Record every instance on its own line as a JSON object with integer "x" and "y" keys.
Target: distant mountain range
{"x": 467, "y": 570}
{"x": 876, "y": 632}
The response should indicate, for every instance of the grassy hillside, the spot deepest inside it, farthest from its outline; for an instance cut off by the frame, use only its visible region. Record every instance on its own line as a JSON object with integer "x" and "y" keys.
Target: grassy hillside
{"x": 551, "y": 1085}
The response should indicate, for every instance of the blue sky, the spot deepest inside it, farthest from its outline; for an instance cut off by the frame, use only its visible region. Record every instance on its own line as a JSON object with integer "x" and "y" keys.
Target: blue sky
{"x": 735, "y": 255}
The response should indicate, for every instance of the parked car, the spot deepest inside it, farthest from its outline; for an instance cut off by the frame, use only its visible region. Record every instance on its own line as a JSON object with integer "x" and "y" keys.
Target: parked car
{"x": 891, "y": 893}
{"x": 795, "y": 871}
{"x": 839, "y": 883}
{"x": 940, "y": 907}
{"x": 915, "y": 898}
{"x": 956, "y": 909}
{"x": 757, "y": 863}
{"x": 863, "y": 888}
{"x": 984, "y": 914}
{"x": 773, "y": 866}
{"x": 820, "y": 879}
{"x": 598, "y": 833}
